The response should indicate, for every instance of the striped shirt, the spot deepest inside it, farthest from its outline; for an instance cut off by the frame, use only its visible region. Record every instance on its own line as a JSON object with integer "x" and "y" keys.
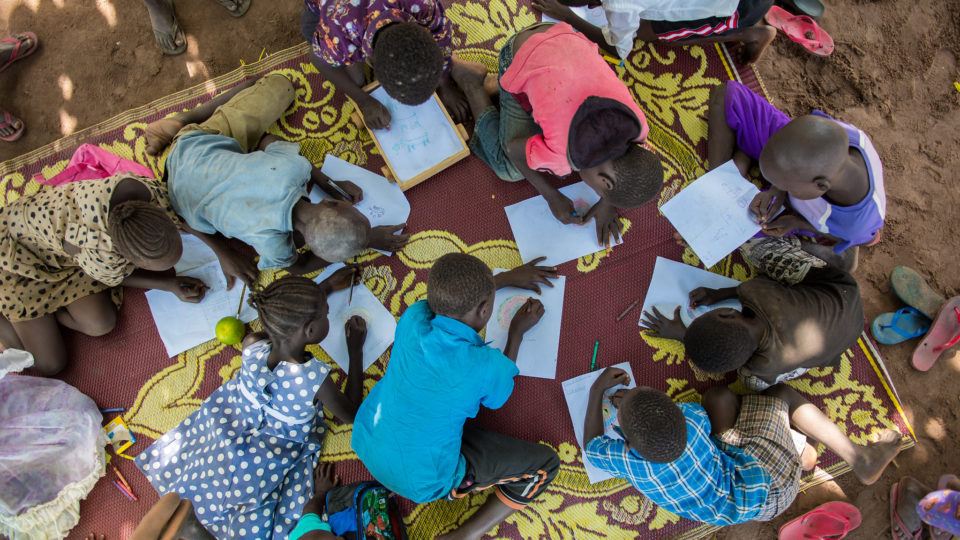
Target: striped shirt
{"x": 711, "y": 481}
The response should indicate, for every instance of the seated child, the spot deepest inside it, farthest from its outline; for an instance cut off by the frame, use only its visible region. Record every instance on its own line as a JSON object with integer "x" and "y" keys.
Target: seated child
{"x": 563, "y": 109}
{"x": 828, "y": 171}
{"x": 228, "y": 180}
{"x": 728, "y": 461}
{"x": 671, "y": 22}
{"x": 408, "y": 43}
{"x": 245, "y": 458}
{"x": 410, "y": 431}
{"x": 782, "y": 332}
{"x": 68, "y": 249}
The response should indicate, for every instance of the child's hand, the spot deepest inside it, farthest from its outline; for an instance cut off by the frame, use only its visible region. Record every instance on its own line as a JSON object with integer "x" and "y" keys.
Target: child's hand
{"x": 356, "y": 330}
{"x": 609, "y": 378}
{"x": 343, "y": 278}
{"x": 608, "y": 221}
{"x": 784, "y": 225}
{"x": 617, "y": 397}
{"x": 662, "y": 327}
{"x": 324, "y": 478}
{"x": 160, "y": 133}
{"x": 527, "y": 317}
{"x": 375, "y": 115}
{"x": 383, "y": 237}
{"x": 188, "y": 289}
{"x": 527, "y": 276}
{"x": 562, "y": 208}
{"x": 553, "y": 8}
{"x": 236, "y": 265}
{"x": 353, "y": 190}
{"x": 767, "y": 203}
{"x": 703, "y": 296}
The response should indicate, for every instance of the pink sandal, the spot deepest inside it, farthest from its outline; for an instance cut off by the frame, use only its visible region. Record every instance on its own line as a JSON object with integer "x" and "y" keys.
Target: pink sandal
{"x": 833, "y": 520}
{"x": 943, "y": 334}
{"x": 801, "y": 29}
{"x": 18, "y": 52}
{"x": 8, "y": 120}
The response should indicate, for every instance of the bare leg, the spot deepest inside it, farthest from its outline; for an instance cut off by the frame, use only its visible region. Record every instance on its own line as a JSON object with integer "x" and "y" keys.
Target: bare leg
{"x": 846, "y": 261}
{"x": 721, "y": 140}
{"x": 868, "y": 462}
{"x": 41, "y": 338}
{"x": 8, "y": 336}
{"x": 755, "y": 39}
{"x": 356, "y": 74}
{"x": 471, "y": 78}
{"x": 93, "y": 315}
{"x": 723, "y": 407}
{"x": 488, "y": 516}
{"x": 166, "y": 28}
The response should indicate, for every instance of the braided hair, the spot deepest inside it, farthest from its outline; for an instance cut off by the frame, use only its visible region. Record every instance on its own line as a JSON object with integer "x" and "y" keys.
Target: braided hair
{"x": 286, "y": 305}
{"x": 142, "y": 231}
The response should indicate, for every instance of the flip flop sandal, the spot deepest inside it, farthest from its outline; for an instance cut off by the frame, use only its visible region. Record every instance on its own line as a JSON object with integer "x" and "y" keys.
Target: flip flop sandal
{"x": 899, "y": 530}
{"x": 914, "y": 291}
{"x": 8, "y": 121}
{"x": 944, "y": 334}
{"x": 899, "y": 326}
{"x": 801, "y": 29}
{"x": 813, "y": 8}
{"x": 832, "y": 520}
{"x": 241, "y": 6}
{"x": 18, "y": 52}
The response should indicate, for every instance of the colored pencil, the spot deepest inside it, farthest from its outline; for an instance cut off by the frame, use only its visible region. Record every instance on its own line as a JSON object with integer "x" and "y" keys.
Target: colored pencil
{"x": 124, "y": 456}
{"x": 113, "y": 410}
{"x": 123, "y": 480}
{"x": 593, "y": 361}
{"x": 353, "y": 281}
{"x": 123, "y": 490}
{"x": 340, "y": 191}
{"x": 629, "y": 308}
{"x": 243, "y": 291}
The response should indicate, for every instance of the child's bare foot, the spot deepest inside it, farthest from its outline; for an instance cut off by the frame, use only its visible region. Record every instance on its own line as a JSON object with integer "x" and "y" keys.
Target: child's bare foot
{"x": 11, "y": 127}
{"x": 166, "y": 28}
{"x": 808, "y": 458}
{"x": 160, "y": 133}
{"x": 873, "y": 458}
{"x": 469, "y": 76}
{"x": 491, "y": 84}
{"x": 756, "y": 39}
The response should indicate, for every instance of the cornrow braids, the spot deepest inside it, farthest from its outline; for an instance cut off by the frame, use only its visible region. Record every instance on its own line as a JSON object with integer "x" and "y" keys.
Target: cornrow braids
{"x": 286, "y": 305}
{"x": 142, "y": 231}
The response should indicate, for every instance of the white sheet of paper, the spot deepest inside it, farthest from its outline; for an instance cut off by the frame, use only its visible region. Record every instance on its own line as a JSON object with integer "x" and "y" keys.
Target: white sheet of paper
{"x": 713, "y": 213}
{"x": 182, "y": 325}
{"x": 419, "y": 137}
{"x": 383, "y": 201}
{"x": 577, "y": 393}
{"x": 671, "y": 284}
{"x": 538, "y": 233}
{"x": 594, "y": 16}
{"x": 541, "y": 344}
{"x": 381, "y": 326}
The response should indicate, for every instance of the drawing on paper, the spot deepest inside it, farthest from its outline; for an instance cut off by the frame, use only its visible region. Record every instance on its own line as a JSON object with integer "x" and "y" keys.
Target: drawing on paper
{"x": 509, "y": 308}
{"x": 412, "y": 134}
{"x": 609, "y": 415}
{"x": 376, "y": 212}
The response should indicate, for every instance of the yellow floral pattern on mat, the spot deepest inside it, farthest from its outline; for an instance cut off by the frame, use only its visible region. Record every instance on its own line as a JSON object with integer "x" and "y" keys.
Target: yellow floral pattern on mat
{"x": 675, "y": 102}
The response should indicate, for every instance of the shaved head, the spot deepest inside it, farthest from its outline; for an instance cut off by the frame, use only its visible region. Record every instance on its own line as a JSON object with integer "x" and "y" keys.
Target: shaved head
{"x": 805, "y": 156}
{"x": 335, "y": 232}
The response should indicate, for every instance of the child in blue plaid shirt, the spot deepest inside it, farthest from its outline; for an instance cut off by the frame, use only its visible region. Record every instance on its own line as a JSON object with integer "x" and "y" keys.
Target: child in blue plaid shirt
{"x": 728, "y": 461}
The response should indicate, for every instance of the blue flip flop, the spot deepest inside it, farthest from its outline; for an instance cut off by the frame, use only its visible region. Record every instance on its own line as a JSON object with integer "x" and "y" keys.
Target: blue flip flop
{"x": 899, "y": 326}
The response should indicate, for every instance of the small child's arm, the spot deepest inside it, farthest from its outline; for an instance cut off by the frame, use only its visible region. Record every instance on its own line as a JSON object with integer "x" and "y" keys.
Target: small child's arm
{"x": 563, "y": 13}
{"x": 344, "y": 405}
{"x": 561, "y": 207}
{"x": 593, "y": 422}
{"x": 705, "y": 296}
{"x": 662, "y": 327}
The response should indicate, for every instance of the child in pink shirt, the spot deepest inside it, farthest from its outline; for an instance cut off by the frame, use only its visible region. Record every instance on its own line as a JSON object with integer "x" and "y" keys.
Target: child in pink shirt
{"x": 563, "y": 110}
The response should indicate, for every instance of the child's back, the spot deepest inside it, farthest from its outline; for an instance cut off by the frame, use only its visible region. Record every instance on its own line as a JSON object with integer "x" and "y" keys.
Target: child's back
{"x": 440, "y": 373}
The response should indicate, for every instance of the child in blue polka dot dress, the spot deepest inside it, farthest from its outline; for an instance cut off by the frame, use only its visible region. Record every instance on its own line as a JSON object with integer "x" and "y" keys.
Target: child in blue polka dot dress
{"x": 245, "y": 458}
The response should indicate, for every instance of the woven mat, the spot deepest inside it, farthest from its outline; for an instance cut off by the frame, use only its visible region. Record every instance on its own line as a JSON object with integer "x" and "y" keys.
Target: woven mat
{"x": 461, "y": 210}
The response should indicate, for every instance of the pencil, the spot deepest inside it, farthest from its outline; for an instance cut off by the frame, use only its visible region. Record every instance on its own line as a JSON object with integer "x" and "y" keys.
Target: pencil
{"x": 124, "y": 456}
{"x": 243, "y": 291}
{"x": 113, "y": 410}
{"x": 630, "y": 307}
{"x": 123, "y": 480}
{"x": 353, "y": 281}
{"x": 123, "y": 490}
{"x": 340, "y": 191}
{"x": 593, "y": 361}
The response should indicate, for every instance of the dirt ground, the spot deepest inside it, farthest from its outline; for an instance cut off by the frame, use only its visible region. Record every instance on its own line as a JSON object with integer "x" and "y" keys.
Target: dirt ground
{"x": 892, "y": 75}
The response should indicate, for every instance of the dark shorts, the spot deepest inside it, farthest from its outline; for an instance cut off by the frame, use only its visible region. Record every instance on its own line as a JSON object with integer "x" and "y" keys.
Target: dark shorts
{"x": 519, "y": 470}
{"x": 749, "y": 13}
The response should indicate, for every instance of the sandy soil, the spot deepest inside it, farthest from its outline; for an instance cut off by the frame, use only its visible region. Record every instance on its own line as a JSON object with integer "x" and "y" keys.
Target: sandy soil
{"x": 892, "y": 75}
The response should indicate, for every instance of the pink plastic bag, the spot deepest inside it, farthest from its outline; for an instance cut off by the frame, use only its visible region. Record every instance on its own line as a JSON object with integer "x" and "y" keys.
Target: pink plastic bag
{"x": 91, "y": 162}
